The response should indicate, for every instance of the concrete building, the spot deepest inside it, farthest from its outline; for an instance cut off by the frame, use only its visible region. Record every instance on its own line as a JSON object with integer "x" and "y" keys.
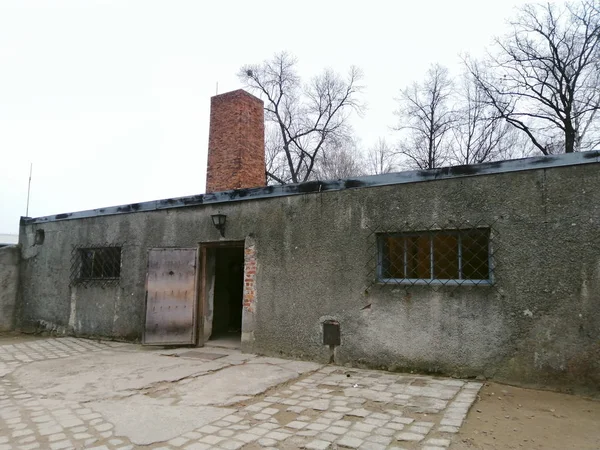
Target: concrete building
{"x": 487, "y": 270}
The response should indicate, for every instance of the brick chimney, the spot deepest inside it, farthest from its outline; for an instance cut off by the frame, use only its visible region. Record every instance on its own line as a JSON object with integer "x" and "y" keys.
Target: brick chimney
{"x": 236, "y": 142}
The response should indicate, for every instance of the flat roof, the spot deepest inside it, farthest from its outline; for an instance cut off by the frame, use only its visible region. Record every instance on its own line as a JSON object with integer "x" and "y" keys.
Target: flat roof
{"x": 313, "y": 187}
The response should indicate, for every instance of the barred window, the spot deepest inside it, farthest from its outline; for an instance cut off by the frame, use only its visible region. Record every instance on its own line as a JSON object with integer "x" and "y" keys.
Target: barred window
{"x": 100, "y": 263}
{"x": 447, "y": 256}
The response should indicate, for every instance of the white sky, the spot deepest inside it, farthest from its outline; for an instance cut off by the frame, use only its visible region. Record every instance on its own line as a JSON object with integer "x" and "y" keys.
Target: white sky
{"x": 110, "y": 99}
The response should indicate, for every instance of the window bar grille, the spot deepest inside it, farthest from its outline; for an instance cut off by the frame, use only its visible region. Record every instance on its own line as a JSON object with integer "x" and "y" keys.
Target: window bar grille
{"x": 405, "y": 251}
{"x": 431, "y": 256}
{"x": 460, "y": 274}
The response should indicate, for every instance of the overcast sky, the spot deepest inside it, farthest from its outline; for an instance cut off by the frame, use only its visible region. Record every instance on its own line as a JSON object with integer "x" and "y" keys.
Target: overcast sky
{"x": 110, "y": 99}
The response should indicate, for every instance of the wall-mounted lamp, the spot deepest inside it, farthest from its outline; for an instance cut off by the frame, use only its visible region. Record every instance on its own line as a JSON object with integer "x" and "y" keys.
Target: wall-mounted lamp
{"x": 219, "y": 222}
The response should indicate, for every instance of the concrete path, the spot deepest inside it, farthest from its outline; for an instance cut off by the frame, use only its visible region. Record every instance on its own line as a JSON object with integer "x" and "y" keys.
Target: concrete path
{"x": 68, "y": 393}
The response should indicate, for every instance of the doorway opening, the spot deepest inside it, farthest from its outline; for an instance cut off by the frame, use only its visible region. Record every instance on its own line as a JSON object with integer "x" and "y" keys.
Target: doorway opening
{"x": 224, "y": 272}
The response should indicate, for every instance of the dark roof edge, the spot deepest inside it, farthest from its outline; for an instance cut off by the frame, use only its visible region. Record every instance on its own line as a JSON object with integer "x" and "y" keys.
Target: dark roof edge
{"x": 415, "y": 176}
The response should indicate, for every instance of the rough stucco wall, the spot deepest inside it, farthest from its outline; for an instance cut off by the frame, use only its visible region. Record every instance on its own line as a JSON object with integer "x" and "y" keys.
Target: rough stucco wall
{"x": 9, "y": 283}
{"x": 540, "y": 325}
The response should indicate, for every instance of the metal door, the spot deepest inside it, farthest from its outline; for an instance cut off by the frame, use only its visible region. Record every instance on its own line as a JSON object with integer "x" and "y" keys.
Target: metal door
{"x": 171, "y": 296}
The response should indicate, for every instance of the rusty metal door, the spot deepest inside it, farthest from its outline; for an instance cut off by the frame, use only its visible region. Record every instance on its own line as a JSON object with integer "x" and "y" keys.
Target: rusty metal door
{"x": 171, "y": 297}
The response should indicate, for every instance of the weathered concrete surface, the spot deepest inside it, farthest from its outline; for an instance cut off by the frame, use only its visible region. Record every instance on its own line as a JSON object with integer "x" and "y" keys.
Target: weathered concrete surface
{"x": 146, "y": 421}
{"x": 156, "y": 395}
{"x": 316, "y": 255}
{"x": 9, "y": 284}
{"x": 272, "y": 403}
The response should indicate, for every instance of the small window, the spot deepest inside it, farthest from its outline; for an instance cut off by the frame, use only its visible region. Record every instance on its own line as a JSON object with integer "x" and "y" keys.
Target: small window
{"x": 458, "y": 257}
{"x": 100, "y": 263}
{"x": 40, "y": 237}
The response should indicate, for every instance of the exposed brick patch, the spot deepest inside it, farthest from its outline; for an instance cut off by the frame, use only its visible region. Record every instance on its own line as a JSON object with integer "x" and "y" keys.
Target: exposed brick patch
{"x": 250, "y": 277}
{"x": 236, "y": 144}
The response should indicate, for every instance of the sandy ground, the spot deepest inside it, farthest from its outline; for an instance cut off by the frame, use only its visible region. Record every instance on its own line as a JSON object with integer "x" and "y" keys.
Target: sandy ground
{"x": 505, "y": 417}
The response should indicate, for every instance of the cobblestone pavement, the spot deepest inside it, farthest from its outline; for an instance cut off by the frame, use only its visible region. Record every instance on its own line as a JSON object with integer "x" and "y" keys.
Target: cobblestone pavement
{"x": 331, "y": 407}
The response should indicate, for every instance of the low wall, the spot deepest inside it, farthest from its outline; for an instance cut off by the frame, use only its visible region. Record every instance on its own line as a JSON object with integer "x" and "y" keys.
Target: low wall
{"x": 9, "y": 282}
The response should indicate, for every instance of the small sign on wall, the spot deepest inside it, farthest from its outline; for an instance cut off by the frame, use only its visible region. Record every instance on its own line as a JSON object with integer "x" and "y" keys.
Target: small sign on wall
{"x": 331, "y": 333}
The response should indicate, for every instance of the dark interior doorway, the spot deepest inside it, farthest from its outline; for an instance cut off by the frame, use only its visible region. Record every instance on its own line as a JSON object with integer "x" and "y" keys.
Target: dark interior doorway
{"x": 228, "y": 293}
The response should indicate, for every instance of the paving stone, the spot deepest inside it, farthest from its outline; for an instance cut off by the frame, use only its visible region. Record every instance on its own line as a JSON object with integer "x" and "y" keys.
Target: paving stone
{"x": 32, "y": 446}
{"x": 57, "y": 437}
{"x": 385, "y": 431}
{"x": 379, "y": 439}
{"x": 211, "y": 439}
{"x": 349, "y": 442}
{"x": 178, "y": 442}
{"x": 296, "y": 425}
{"x": 420, "y": 430}
{"x": 267, "y": 442}
{"x": 357, "y": 434}
{"x": 403, "y": 420}
{"x": 198, "y": 446}
{"x": 366, "y": 427}
{"x": 359, "y": 413}
{"x": 372, "y": 446}
{"x": 61, "y": 445}
{"x": 82, "y": 436}
{"x": 208, "y": 429}
{"x": 20, "y": 433}
{"x": 247, "y": 437}
{"x": 233, "y": 418}
{"x": 376, "y": 422}
{"x": 328, "y": 437}
{"x": 448, "y": 429}
{"x": 192, "y": 435}
{"x": 277, "y": 435}
{"x": 395, "y": 426}
{"x": 258, "y": 431}
{"x": 318, "y": 444}
{"x": 307, "y": 433}
{"x": 409, "y": 437}
{"x": 231, "y": 444}
{"x": 451, "y": 422}
{"x": 50, "y": 430}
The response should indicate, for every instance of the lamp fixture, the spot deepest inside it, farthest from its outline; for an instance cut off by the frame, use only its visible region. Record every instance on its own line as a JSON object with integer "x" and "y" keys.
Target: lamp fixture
{"x": 219, "y": 222}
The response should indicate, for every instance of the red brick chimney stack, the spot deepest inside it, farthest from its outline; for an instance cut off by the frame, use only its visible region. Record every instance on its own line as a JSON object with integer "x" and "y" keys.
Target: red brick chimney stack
{"x": 236, "y": 142}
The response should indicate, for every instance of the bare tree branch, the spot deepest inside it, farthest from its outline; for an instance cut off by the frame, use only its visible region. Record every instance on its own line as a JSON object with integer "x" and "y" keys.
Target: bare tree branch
{"x": 425, "y": 118}
{"x": 544, "y": 78}
{"x": 308, "y": 119}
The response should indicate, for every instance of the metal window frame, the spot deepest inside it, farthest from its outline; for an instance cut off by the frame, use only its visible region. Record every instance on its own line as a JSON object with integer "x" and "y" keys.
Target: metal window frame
{"x": 460, "y": 281}
{"x": 77, "y": 264}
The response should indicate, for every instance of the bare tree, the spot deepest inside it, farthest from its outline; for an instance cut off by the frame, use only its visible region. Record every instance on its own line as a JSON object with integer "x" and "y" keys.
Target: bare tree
{"x": 380, "y": 158}
{"x": 426, "y": 118}
{"x": 544, "y": 78}
{"x": 479, "y": 133}
{"x": 341, "y": 159}
{"x": 307, "y": 118}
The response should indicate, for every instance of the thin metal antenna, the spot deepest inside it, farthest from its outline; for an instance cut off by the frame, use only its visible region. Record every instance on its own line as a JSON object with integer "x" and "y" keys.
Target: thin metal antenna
{"x": 29, "y": 189}
{"x": 217, "y": 90}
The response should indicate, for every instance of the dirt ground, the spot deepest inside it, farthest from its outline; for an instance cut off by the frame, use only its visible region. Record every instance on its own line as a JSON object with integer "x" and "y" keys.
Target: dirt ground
{"x": 505, "y": 417}
{"x": 12, "y": 337}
